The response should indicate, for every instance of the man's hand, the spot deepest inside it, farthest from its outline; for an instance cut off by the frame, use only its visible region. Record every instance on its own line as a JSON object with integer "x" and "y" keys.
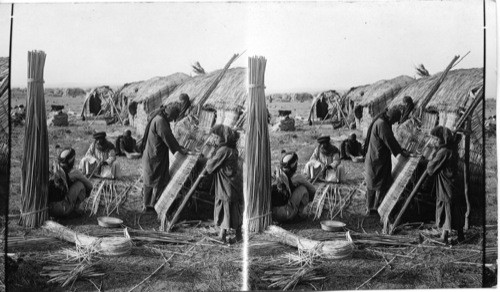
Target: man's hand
{"x": 405, "y": 153}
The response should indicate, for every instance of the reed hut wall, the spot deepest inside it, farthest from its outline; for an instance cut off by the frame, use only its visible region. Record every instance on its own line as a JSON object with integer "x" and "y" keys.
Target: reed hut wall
{"x": 378, "y": 96}
{"x": 445, "y": 107}
{"x": 144, "y": 96}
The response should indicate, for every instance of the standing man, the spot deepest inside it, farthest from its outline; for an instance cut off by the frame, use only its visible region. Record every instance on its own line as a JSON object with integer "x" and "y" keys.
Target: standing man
{"x": 378, "y": 167}
{"x": 155, "y": 160}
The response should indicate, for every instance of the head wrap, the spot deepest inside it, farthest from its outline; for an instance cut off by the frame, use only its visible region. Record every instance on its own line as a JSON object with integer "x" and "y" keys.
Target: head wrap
{"x": 172, "y": 111}
{"x": 183, "y": 97}
{"x": 323, "y": 139}
{"x": 446, "y": 138}
{"x": 127, "y": 133}
{"x": 352, "y": 136}
{"x": 289, "y": 162}
{"x": 66, "y": 158}
{"x": 393, "y": 115}
{"x": 229, "y": 137}
{"x": 99, "y": 135}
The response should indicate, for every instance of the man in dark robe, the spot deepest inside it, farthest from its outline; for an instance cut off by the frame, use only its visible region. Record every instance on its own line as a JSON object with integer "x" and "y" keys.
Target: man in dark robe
{"x": 125, "y": 144}
{"x": 228, "y": 182}
{"x": 155, "y": 159}
{"x": 381, "y": 143}
{"x": 449, "y": 194}
{"x": 351, "y": 148}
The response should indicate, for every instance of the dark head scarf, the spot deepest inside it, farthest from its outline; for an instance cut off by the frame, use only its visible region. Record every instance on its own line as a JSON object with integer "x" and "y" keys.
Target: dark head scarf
{"x": 393, "y": 115}
{"x": 289, "y": 163}
{"x": 229, "y": 137}
{"x": 127, "y": 133}
{"x": 172, "y": 112}
{"x": 185, "y": 104}
{"x": 445, "y": 136}
{"x": 352, "y": 137}
{"x": 408, "y": 108}
{"x": 66, "y": 158}
{"x": 99, "y": 135}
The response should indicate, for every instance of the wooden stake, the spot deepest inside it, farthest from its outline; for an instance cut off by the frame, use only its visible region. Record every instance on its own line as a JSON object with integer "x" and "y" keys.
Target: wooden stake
{"x": 467, "y": 172}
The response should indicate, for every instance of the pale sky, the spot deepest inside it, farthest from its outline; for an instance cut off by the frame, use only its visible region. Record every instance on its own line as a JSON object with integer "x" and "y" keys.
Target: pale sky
{"x": 310, "y": 46}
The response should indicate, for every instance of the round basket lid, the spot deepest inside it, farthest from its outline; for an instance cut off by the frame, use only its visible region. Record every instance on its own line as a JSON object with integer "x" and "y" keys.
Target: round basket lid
{"x": 109, "y": 222}
{"x": 330, "y": 225}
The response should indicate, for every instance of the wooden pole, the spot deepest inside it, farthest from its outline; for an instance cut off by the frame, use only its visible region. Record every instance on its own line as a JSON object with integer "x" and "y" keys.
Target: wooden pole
{"x": 467, "y": 171}
{"x": 185, "y": 200}
{"x": 435, "y": 88}
{"x": 410, "y": 197}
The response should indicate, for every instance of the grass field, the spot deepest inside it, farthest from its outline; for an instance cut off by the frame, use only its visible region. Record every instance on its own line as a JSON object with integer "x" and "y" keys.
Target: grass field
{"x": 211, "y": 266}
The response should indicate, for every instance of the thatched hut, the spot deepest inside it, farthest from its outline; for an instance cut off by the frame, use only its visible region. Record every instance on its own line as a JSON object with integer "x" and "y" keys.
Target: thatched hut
{"x": 99, "y": 101}
{"x": 141, "y": 97}
{"x": 378, "y": 96}
{"x": 324, "y": 105}
{"x": 451, "y": 99}
{"x": 226, "y": 102}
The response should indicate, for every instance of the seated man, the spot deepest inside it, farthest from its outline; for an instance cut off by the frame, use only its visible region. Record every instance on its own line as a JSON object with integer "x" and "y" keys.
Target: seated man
{"x": 125, "y": 144}
{"x": 100, "y": 159}
{"x": 324, "y": 163}
{"x": 290, "y": 192}
{"x": 351, "y": 148}
{"x": 68, "y": 187}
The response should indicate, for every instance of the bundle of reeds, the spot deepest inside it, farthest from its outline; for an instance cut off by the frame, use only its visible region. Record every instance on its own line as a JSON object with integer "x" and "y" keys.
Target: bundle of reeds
{"x": 15, "y": 242}
{"x": 35, "y": 164}
{"x": 150, "y": 236}
{"x": 287, "y": 278}
{"x": 258, "y": 152}
{"x": 67, "y": 273}
{"x": 334, "y": 198}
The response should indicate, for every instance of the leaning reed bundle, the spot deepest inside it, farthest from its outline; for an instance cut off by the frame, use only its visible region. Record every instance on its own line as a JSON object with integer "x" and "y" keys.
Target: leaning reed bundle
{"x": 258, "y": 152}
{"x": 286, "y": 278}
{"x": 35, "y": 165}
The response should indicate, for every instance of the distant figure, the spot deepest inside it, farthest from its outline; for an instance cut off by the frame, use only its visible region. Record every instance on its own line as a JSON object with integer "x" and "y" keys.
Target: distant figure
{"x": 125, "y": 144}
{"x": 228, "y": 181}
{"x": 449, "y": 195}
{"x": 185, "y": 106}
{"x": 324, "y": 163}
{"x": 290, "y": 192}
{"x": 68, "y": 187}
{"x": 407, "y": 109}
{"x": 351, "y": 148}
{"x": 381, "y": 143}
{"x": 155, "y": 159}
{"x": 100, "y": 159}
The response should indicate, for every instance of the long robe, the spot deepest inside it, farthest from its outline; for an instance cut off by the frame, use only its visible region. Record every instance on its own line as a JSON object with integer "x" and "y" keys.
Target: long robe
{"x": 95, "y": 155}
{"x": 228, "y": 182}
{"x": 378, "y": 157}
{"x": 443, "y": 167}
{"x": 319, "y": 160}
{"x": 155, "y": 160}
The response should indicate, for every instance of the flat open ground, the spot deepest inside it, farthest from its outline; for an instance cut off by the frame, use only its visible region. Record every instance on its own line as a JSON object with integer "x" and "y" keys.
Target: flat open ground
{"x": 417, "y": 266}
{"x": 203, "y": 264}
{"x": 206, "y": 265}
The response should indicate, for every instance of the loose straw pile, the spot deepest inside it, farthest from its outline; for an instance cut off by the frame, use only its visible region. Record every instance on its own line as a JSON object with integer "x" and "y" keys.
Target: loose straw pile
{"x": 258, "y": 153}
{"x": 35, "y": 165}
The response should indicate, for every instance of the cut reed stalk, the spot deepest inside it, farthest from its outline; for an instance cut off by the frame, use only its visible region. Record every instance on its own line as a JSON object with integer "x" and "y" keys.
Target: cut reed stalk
{"x": 258, "y": 153}
{"x": 35, "y": 165}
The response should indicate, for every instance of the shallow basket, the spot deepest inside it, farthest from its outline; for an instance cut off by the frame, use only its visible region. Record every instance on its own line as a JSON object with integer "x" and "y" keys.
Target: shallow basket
{"x": 109, "y": 222}
{"x": 330, "y": 225}
{"x": 358, "y": 159}
{"x": 115, "y": 246}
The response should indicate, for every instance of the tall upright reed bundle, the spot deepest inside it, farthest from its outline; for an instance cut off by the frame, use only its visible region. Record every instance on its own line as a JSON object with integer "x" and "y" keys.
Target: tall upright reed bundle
{"x": 258, "y": 152}
{"x": 35, "y": 165}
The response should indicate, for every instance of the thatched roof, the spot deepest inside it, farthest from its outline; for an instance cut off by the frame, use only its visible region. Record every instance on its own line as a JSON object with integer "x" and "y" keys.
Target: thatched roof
{"x": 354, "y": 93}
{"x": 384, "y": 88}
{"x": 4, "y": 67}
{"x": 4, "y": 99}
{"x": 452, "y": 93}
{"x": 142, "y": 90}
{"x": 230, "y": 93}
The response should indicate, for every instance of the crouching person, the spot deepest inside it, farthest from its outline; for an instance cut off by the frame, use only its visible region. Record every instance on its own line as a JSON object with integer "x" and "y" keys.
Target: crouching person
{"x": 290, "y": 192}
{"x": 68, "y": 187}
{"x": 449, "y": 195}
{"x": 228, "y": 181}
